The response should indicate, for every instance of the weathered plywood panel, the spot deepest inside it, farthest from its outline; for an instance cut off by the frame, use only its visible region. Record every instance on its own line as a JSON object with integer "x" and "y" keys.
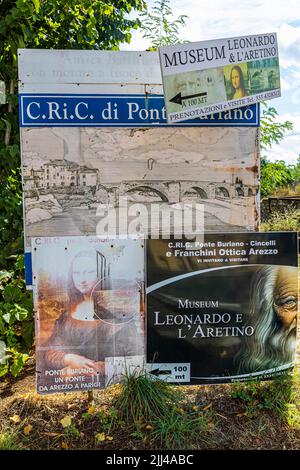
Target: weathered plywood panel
{"x": 81, "y": 66}
{"x": 70, "y": 174}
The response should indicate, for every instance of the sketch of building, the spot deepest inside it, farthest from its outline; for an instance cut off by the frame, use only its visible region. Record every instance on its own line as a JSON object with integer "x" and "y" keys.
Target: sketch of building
{"x": 216, "y": 167}
{"x": 60, "y": 174}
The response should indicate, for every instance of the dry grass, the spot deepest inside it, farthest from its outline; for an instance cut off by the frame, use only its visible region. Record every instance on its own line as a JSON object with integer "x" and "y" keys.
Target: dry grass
{"x": 290, "y": 191}
{"x": 226, "y": 419}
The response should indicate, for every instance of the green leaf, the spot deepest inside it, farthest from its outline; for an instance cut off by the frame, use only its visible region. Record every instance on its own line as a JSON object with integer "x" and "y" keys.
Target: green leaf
{"x": 6, "y": 317}
{"x": 4, "y": 369}
{"x": 108, "y": 10}
{"x": 37, "y": 5}
{"x": 5, "y": 275}
{"x": 20, "y": 263}
{"x": 12, "y": 294}
{"x": 13, "y": 150}
{"x": 18, "y": 363}
{"x": 20, "y": 313}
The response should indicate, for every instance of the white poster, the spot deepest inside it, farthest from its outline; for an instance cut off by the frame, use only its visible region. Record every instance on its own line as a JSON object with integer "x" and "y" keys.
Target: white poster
{"x": 213, "y": 76}
{"x": 89, "y": 311}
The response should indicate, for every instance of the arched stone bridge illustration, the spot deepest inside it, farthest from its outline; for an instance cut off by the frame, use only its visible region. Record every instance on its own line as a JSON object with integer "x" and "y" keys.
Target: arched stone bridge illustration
{"x": 178, "y": 191}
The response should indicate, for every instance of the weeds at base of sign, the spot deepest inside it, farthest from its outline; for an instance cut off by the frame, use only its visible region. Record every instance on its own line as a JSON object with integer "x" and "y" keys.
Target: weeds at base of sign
{"x": 178, "y": 429}
{"x": 233, "y": 416}
{"x": 155, "y": 411}
{"x": 71, "y": 431}
{"x": 287, "y": 220}
{"x": 280, "y": 396}
{"x": 143, "y": 399}
{"x": 106, "y": 417}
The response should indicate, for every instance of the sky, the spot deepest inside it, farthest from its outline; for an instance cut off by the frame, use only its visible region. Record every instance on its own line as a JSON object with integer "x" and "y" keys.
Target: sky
{"x": 212, "y": 19}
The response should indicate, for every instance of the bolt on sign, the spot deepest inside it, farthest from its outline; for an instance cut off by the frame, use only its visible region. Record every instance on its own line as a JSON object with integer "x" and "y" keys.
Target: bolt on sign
{"x": 89, "y": 313}
{"x": 219, "y": 75}
{"x": 222, "y": 308}
{"x": 96, "y": 146}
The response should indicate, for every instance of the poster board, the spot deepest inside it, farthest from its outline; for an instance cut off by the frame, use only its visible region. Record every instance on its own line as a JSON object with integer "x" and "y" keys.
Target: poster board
{"x": 89, "y": 313}
{"x": 73, "y": 175}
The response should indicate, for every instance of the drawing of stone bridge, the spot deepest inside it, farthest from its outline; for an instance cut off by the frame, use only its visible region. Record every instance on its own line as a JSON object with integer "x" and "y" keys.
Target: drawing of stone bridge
{"x": 177, "y": 191}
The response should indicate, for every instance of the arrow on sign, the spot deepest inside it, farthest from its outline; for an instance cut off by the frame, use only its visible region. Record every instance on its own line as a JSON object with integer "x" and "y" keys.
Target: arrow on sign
{"x": 178, "y": 98}
{"x": 160, "y": 372}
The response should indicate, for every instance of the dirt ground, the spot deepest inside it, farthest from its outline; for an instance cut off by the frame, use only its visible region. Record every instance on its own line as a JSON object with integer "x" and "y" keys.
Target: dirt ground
{"x": 36, "y": 420}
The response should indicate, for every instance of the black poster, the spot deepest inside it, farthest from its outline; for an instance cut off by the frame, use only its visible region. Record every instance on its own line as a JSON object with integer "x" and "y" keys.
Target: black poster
{"x": 223, "y": 307}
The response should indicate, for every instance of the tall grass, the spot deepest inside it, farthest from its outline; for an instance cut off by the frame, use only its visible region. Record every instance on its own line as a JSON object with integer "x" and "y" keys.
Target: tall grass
{"x": 158, "y": 407}
{"x": 144, "y": 399}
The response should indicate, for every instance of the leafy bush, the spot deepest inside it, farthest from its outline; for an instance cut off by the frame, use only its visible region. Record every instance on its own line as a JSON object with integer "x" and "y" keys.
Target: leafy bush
{"x": 275, "y": 395}
{"x": 285, "y": 221}
{"x": 275, "y": 175}
{"x": 16, "y": 318}
{"x": 159, "y": 26}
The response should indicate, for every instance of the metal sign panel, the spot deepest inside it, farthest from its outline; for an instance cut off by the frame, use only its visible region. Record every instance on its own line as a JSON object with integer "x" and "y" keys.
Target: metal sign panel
{"x": 87, "y": 67}
{"x": 88, "y": 313}
{"x": 213, "y": 76}
{"x": 115, "y": 110}
{"x": 226, "y": 305}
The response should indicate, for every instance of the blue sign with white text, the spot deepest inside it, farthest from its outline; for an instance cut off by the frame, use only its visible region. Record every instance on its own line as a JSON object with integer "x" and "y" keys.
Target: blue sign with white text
{"x": 28, "y": 268}
{"x": 39, "y": 110}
